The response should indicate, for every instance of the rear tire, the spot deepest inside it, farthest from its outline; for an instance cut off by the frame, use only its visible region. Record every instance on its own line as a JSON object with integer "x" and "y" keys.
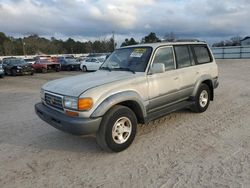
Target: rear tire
{"x": 202, "y": 99}
{"x": 57, "y": 69}
{"x": 117, "y": 130}
{"x": 68, "y": 68}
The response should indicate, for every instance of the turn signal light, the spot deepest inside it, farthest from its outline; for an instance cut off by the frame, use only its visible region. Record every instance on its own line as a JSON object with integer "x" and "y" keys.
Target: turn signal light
{"x": 85, "y": 103}
{"x": 73, "y": 114}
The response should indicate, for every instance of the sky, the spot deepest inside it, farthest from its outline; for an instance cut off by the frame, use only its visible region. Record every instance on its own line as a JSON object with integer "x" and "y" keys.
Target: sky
{"x": 210, "y": 20}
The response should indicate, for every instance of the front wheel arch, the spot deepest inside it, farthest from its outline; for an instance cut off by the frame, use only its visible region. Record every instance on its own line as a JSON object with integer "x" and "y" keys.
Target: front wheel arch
{"x": 129, "y": 99}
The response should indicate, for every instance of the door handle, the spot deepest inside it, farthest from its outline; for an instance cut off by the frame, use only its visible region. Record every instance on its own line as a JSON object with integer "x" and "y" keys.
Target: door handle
{"x": 176, "y": 78}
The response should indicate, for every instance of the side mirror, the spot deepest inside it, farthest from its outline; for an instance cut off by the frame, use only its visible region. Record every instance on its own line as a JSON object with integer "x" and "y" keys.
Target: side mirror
{"x": 157, "y": 68}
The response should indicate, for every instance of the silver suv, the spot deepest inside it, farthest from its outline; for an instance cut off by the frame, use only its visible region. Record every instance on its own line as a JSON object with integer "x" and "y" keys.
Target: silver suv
{"x": 134, "y": 85}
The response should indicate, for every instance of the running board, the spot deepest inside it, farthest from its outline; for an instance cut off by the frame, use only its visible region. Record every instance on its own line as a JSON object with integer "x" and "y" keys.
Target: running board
{"x": 164, "y": 111}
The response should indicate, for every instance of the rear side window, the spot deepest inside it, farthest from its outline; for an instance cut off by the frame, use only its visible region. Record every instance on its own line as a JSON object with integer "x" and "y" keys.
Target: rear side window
{"x": 182, "y": 56}
{"x": 165, "y": 56}
{"x": 202, "y": 54}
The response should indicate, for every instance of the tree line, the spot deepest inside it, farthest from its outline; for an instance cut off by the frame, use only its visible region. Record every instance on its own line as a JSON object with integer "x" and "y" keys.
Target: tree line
{"x": 35, "y": 44}
{"x": 234, "y": 41}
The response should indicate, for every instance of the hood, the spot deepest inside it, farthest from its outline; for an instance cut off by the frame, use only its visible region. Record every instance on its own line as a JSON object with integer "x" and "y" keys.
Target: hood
{"x": 75, "y": 85}
{"x": 21, "y": 65}
{"x": 73, "y": 63}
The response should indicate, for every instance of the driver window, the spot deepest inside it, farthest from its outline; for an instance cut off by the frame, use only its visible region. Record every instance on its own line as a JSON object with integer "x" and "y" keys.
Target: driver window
{"x": 165, "y": 56}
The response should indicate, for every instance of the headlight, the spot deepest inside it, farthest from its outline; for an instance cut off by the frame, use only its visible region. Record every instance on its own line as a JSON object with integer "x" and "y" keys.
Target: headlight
{"x": 42, "y": 94}
{"x": 71, "y": 102}
{"x": 78, "y": 104}
{"x": 19, "y": 67}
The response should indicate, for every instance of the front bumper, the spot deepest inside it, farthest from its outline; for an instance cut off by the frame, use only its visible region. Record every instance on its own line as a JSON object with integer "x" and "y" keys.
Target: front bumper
{"x": 1, "y": 72}
{"x": 73, "y": 125}
{"x": 24, "y": 71}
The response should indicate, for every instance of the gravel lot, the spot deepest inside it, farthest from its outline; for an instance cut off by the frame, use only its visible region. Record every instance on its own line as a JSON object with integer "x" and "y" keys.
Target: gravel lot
{"x": 182, "y": 149}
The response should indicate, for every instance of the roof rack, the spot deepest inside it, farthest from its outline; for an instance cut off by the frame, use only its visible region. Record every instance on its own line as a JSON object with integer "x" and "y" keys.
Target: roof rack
{"x": 188, "y": 40}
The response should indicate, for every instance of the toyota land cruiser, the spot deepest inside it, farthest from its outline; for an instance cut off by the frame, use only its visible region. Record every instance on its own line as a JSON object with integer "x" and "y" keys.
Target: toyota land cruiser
{"x": 136, "y": 84}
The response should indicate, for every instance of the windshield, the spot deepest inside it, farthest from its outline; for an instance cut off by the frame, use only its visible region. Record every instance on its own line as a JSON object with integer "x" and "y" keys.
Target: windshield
{"x": 43, "y": 61}
{"x": 70, "y": 61}
{"x": 101, "y": 59}
{"x": 16, "y": 61}
{"x": 133, "y": 59}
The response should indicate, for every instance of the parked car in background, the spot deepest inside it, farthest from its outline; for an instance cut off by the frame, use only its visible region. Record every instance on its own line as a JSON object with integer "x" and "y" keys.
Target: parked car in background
{"x": 17, "y": 66}
{"x": 92, "y": 64}
{"x": 54, "y": 59}
{"x": 1, "y": 71}
{"x": 81, "y": 58}
{"x": 30, "y": 60}
{"x": 43, "y": 65}
{"x": 69, "y": 64}
{"x": 41, "y": 57}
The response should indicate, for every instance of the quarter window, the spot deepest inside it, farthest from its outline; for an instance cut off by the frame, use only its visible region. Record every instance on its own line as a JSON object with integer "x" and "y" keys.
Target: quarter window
{"x": 182, "y": 56}
{"x": 202, "y": 54}
{"x": 165, "y": 56}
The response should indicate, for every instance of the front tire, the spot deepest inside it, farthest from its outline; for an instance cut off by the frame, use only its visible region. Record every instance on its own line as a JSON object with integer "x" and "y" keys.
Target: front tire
{"x": 13, "y": 72}
{"x": 84, "y": 69}
{"x": 44, "y": 70}
{"x": 118, "y": 129}
{"x": 202, "y": 99}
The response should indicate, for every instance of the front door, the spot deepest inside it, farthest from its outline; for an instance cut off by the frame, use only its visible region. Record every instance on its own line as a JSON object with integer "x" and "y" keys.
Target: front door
{"x": 163, "y": 87}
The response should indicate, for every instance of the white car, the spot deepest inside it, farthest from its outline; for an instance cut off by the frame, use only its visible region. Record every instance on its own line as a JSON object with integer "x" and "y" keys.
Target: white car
{"x": 92, "y": 64}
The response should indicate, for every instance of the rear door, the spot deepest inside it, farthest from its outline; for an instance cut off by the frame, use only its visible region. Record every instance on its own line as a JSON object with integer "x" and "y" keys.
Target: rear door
{"x": 163, "y": 87}
{"x": 203, "y": 60}
{"x": 186, "y": 69}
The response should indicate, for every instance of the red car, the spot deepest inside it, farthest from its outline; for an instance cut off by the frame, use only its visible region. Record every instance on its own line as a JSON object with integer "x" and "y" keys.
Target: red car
{"x": 43, "y": 65}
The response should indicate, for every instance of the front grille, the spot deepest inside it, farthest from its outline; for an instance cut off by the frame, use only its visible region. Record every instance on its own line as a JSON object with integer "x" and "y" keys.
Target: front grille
{"x": 26, "y": 69}
{"x": 54, "y": 101}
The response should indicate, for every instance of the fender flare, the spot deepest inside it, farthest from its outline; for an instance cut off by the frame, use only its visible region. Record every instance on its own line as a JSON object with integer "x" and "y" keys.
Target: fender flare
{"x": 203, "y": 78}
{"x": 117, "y": 98}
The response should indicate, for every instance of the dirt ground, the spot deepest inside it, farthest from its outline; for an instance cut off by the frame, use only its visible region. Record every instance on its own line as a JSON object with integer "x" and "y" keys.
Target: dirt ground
{"x": 182, "y": 149}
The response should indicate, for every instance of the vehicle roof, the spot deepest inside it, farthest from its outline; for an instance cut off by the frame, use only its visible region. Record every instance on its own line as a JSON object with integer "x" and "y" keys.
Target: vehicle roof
{"x": 158, "y": 44}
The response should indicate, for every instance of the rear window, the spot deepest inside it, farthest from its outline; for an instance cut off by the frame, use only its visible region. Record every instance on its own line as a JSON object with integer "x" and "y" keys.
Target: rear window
{"x": 202, "y": 54}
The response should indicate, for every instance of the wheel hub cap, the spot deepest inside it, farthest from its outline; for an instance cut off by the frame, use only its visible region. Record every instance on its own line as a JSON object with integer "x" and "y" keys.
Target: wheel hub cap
{"x": 121, "y": 130}
{"x": 203, "y": 98}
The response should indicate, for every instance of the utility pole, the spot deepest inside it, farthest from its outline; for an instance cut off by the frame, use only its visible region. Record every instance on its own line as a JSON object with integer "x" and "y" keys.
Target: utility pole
{"x": 113, "y": 36}
{"x": 24, "y": 51}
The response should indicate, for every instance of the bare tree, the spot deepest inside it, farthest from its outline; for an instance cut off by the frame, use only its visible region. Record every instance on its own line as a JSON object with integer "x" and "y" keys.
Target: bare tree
{"x": 170, "y": 37}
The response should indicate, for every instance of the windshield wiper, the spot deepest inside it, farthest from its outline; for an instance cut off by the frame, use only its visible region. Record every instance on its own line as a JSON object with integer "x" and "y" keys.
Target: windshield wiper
{"x": 126, "y": 69}
{"x": 105, "y": 68}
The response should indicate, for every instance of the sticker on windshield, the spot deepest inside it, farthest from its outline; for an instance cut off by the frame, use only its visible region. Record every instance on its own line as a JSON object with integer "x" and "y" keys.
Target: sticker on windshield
{"x": 138, "y": 52}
